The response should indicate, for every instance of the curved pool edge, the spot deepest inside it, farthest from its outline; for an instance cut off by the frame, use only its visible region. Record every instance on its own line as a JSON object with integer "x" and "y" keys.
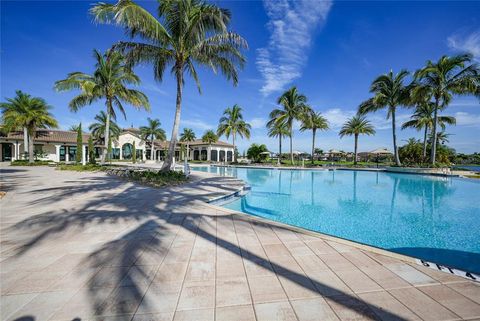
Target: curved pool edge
{"x": 402, "y": 257}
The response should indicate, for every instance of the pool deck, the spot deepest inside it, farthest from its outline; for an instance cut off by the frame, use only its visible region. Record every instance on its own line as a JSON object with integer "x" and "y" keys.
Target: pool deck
{"x": 86, "y": 246}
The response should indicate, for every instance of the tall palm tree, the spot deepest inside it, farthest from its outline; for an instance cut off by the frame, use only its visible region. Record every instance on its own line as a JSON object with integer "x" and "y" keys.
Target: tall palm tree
{"x": 313, "y": 121}
{"x": 187, "y": 136}
{"x": 443, "y": 79}
{"x": 357, "y": 125}
{"x": 109, "y": 81}
{"x": 187, "y": 33}
{"x": 294, "y": 106}
{"x": 279, "y": 130}
{"x": 74, "y": 128}
{"x": 153, "y": 131}
{"x": 232, "y": 123}
{"x": 389, "y": 92}
{"x": 422, "y": 118}
{"x": 210, "y": 138}
{"x": 98, "y": 128}
{"x": 25, "y": 111}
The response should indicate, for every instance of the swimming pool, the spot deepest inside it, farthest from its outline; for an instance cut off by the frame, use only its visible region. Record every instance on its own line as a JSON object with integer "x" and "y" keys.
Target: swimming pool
{"x": 432, "y": 218}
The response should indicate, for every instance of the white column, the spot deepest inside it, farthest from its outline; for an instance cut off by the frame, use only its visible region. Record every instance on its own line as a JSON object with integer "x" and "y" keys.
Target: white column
{"x": 25, "y": 140}
{"x": 67, "y": 154}
{"x": 121, "y": 152}
{"x": 57, "y": 153}
{"x": 15, "y": 151}
{"x": 144, "y": 153}
{"x": 209, "y": 153}
{"x": 84, "y": 155}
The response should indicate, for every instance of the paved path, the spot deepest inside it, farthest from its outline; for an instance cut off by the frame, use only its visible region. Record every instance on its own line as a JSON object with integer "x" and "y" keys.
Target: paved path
{"x": 85, "y": 246}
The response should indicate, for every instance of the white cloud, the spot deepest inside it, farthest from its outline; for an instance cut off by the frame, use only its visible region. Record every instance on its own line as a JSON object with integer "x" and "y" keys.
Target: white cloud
{"x": 337, "y": 117}
{"x": 467, "y": 119}
{"x": 257, "y": 122}
{"x": 196, "y": 123}
{"x": 466, "y": 43}
{"x": 291, "y": 24}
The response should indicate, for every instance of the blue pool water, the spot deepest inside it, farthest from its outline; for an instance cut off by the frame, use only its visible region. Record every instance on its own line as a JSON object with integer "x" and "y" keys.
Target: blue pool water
{"x": 431, "y": 218}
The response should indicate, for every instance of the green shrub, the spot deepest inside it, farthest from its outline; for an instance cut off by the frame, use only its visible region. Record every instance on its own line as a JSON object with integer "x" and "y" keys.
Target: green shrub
{"x": 26, "y": 163}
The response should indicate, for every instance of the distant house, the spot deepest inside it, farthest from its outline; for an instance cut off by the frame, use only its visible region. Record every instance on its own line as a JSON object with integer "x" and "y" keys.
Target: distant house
{"x": 61, "y": 146}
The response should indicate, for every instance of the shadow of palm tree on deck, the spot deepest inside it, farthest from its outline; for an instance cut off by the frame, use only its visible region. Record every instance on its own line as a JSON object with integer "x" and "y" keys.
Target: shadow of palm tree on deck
{"x": 154, "y": 217}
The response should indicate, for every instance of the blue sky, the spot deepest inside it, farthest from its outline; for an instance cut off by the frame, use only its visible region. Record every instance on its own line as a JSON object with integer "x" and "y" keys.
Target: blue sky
{"x": 330, "y": 50}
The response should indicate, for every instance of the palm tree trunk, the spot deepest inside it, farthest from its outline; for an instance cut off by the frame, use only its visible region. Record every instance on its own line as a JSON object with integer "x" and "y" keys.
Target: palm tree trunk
{"x": 425, "y": 134}
{"x": 313, "y": 143}
{"x": 153, "y": 156}
{"x": 355, "y": 150}
{"x": 173, "y": 140}
{"x": 30, "y": 147}
{"x": 25, "y": 142}
{"x": 394, "y": 132}
{"x": 434, "y": 134}
{"x": 107, "y": 132}
{"x": 233, "y": 137}
{"x": 279, "y": 161}
{"x": 291, "y": 144}
{"x": 188, "y": 151}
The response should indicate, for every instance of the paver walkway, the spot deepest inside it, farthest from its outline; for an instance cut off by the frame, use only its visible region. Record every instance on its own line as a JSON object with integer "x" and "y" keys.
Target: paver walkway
{"x": 85, "y": 246}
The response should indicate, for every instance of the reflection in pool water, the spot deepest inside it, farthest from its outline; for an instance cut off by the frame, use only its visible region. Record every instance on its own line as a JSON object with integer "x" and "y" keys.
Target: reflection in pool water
{"x": 433, "y": 218}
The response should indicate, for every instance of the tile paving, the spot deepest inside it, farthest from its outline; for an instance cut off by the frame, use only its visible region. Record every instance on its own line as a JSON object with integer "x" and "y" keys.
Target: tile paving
{"x": 85, "y": 246}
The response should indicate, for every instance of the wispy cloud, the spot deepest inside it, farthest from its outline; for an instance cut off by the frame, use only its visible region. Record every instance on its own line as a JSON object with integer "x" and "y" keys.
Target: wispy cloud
{"x": 257, "y": 122}
{"x": 196, "y": 124}
{"x": 466, "y": 43}
{"x": 337, "y": 117}
{"x": 291, "y": 24}
{"x": 467, "y": 119}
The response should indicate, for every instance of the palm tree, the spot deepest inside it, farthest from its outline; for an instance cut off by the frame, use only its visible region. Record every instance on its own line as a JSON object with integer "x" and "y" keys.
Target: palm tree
{"x": 443, "y": 79}
{"x": 232, "y": 123}
{"x": 74, "y": 128}
{"x": 279, "y": 130}
{"x": 313, "y": 121}
{"x": 25, "y": 111}
{"x": 109, "y": 81}
{"x": 442, "y": 138}
{"x": 389, "y": 92}
{"x": 294, "y": 106}
{"x": 357, "y": 125}
{"x": 153, "y": 131}
{"x": 210, "y": 138}
{"x": 187, "y": 33}
{"x": 98, "y": 128}
{"x": 187, "y": 136}
{"x": 422, "y": 118}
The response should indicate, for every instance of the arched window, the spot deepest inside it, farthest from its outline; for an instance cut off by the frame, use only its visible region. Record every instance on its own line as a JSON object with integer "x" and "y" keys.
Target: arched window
{"x": 222, "y": 156}
{"x": 127, "y": 150}
{"x": 196, "y": 155}
{"x": 229, "y": 156}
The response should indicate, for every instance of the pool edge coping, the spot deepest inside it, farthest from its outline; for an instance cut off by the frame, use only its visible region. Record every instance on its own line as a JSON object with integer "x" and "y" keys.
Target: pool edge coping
{"x": 327, "y": 237}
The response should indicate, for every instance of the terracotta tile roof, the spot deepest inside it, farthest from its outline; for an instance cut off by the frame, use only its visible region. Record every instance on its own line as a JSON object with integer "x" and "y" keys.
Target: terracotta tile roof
{"x": 49, "y": 136}
{"x": 164, "y": 144}
{"x": 218, "y": 143}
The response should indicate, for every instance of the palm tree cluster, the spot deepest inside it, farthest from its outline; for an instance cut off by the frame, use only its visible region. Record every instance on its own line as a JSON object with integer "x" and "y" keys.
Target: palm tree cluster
{"x": 186, "y": 34}
{"x": 109, "y": 81}
{"x": 293, "y": 108}
{"x": 430, "y": 91}
{"x": 27, "y": 113}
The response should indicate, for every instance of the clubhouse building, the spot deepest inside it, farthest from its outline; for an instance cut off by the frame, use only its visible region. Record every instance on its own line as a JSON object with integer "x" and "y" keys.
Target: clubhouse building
{"x": 61, "y": 146}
